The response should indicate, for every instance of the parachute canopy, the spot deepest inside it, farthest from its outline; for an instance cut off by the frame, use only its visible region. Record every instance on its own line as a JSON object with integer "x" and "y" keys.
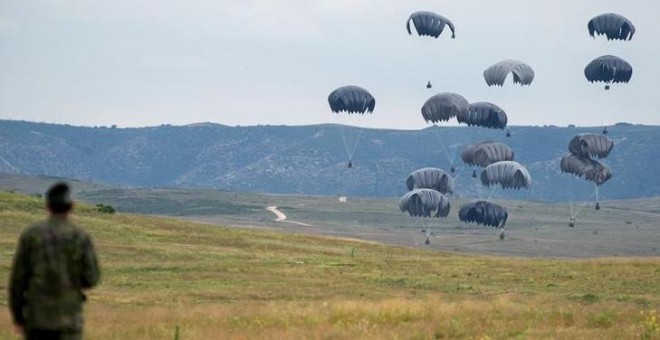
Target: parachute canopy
{"x": 508, "y": 174}
{"x": 608, "y": 69}
{"x": 590, "y": 144}
{"x": 486, "y": 153}
{"x": 483, "y": 212}
{"x": 351, "y": 99}
{"x": 486, "y": 115}
{"x": 443, "y": 106}
{"x": 523, "y": 74}
{"x": 591, "y": 169}
{"x": 431, "y": 178}
{"x": 429, "y": 24}
{"x": 613, "y": 26}
{"x": 424, "y": 203}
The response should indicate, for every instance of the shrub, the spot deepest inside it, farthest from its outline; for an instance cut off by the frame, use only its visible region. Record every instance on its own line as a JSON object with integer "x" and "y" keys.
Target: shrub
{"x": 106, "y": 209}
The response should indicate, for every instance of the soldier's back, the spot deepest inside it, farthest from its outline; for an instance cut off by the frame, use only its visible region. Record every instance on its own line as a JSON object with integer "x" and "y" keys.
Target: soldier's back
{"x": 58, "y": 255}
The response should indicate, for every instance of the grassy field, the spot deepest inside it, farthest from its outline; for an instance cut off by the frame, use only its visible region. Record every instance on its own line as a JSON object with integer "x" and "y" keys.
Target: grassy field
{"x": 620, "y": 228}
{"x": 210, "y": 282}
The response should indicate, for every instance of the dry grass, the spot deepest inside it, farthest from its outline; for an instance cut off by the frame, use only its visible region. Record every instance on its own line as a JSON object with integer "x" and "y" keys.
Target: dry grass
{"x": 218, "y": 283}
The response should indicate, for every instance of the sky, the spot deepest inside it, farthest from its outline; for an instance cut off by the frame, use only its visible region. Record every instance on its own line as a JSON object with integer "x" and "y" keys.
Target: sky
{"x": 135, "y": 63}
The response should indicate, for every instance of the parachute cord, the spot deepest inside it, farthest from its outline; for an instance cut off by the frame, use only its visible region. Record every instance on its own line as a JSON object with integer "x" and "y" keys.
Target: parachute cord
{"x": 457, "y": 173}
{"x": 480, "y": 190}
{"x": 492, "y": 191}
{"x": 357, "y": 140}
{"x": 571, "y": 203}
{"x": 425, "y": 224}
{"x": 444, "y": 149}
{"x": 345, "y": 142}
{"x": 597, "y": 193}
{"x": 350, "y": 145}
{"x": 584, "y": 205}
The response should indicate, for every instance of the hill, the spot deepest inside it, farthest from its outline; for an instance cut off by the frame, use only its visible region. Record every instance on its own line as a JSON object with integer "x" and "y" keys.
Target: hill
{"x": 161, "y": 274}
{"x": 312, "y": 160}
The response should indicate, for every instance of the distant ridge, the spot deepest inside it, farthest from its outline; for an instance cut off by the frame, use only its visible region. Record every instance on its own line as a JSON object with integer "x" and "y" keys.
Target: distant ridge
{"x": 311, "y": 159}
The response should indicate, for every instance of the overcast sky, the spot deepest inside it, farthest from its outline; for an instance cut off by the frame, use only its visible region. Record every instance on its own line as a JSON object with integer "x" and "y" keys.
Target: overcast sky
{"x": 248, "y": 62}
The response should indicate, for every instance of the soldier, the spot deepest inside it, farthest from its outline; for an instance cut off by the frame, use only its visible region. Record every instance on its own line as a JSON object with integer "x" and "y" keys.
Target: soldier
{"x": 55, "y": 260}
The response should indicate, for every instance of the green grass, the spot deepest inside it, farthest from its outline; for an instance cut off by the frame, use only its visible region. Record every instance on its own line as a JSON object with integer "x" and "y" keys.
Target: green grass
{"x": 218, "y": 282}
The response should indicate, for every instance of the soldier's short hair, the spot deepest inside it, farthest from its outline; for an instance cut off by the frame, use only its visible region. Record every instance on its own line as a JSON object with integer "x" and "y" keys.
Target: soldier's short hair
{"x": 58, "y": 198}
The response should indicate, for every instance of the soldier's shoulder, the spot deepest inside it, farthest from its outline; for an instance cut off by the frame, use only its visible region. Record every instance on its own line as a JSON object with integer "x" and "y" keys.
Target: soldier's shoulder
{"x": 35, "y": 227}
{"x": 78, "y": 230}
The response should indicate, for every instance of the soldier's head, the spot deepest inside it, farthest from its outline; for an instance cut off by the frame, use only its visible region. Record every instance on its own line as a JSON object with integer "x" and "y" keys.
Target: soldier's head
{"x": 58, "y": 198}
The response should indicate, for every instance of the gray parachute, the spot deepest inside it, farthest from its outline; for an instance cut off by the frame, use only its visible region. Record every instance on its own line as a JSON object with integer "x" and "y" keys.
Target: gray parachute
{"x": 592, "y": 170}
{"x": 444, "y": 106}
{"x": 483, "y": 212}
{"x": 424, "y": 203}
{"x": 486, "y": 115}
{"x": 351, "y": 99}
{"x": 608, "y": 69}
{"x": 486, "y": 153}
{"x": 508, "y": 174}
{"x": 523, "y": 74}
{"x": 429, "y": 24}
{"x": 590, "y": 144}
{"x": 613, "y": 26}
{"x": 431, "y": 178}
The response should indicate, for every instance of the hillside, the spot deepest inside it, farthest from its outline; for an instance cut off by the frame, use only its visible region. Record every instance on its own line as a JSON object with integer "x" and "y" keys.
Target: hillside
{"x": 216, "y": 282}
{"x": 312, "y": 160}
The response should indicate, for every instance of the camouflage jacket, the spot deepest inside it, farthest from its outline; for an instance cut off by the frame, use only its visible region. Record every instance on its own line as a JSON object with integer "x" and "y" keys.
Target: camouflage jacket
{"x": 54, "y": 261}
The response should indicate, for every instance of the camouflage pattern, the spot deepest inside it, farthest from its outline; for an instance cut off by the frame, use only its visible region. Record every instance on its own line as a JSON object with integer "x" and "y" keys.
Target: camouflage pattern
{"x": 54, "y": 262}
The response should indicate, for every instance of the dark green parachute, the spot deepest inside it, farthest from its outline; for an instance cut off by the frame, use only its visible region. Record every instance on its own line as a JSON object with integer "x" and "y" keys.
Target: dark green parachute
{"x": 589, "y": 145}
{"x": 486, "y": 115}
{"x": 592, "y": 170}
{"x": 483, "y": 212}
{"x": 429, "y": 24}
{"x": 424, "y": 203}
{"x": 444, "y": 106}
{"x": 496, "y": 74}
{"x": 431, "y": 178}
{"x": 508, "y": 174}
{"x": 608, "y": 69}
{"x": 613, "y": 26}
{"x": 486, "y": 153}
{"x": 351, "y": 99}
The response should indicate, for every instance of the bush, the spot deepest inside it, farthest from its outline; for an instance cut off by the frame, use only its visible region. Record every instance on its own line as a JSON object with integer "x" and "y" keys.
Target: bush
{"x": 106, "y": 209}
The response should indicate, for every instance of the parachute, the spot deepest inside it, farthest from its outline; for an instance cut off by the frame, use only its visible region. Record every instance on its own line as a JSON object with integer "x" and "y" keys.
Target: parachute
{"x": 486, "y": 115}
{"x": 608, "y": 69}
{"x": 351, "y": 99}
{"x": 483, "y": 212}
{"x": 613, "y": 26}
{"x": 486, "y": 153}
{"x": 579, "y": 162}
{"x": 443, "y": 106}
{"x": 429, "y": 24}
{"x": 590, "y": 145}
{"x": 523, "y": 74}
{"x": 508, "y": 174}
{"x": 431, "y": 178}
{"x": 424, "y": 203}
{"x": 591, "y": 169}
